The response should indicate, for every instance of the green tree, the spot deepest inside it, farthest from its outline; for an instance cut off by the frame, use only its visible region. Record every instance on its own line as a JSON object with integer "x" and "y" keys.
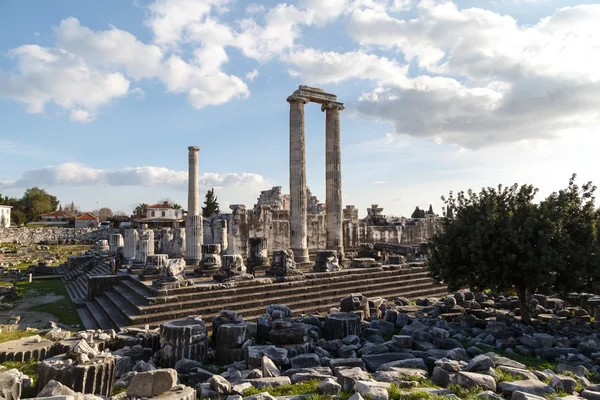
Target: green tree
{"x": 418, "y": 213}
{"x": 501, "y": 239}
{"x": 211, "y": 204}
{"x": 36, "y": 201}
{"x": 18, "y": 217}
{"x": 140, "y": 211}
{"x": 430, "y": 211}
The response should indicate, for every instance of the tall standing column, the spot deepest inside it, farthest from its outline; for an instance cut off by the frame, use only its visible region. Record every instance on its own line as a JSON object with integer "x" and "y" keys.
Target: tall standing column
{"x": 298, "y": 225}
{"x": 193, "y": 203}
{"x": 333, "y": 177}
{"x": 193, "y": 223}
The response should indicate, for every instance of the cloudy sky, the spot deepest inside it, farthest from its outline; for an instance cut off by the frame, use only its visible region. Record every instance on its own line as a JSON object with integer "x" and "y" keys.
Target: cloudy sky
{"x": 99, "y": 100}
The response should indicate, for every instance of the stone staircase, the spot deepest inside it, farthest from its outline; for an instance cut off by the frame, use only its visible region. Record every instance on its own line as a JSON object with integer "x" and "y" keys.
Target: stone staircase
{"x": 132, "y": 302}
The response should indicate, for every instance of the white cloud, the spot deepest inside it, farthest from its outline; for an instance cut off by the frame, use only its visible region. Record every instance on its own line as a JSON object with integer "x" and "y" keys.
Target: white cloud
{"x": 252, "y": 75}
{"x": 46, "y": 75}
{"x": 76, "y": 174}
{"x": 331, "y": 67}
{"x": 486, "y": 79}
{"x": 81, "y": 115}
{"x": 379, "y": 182}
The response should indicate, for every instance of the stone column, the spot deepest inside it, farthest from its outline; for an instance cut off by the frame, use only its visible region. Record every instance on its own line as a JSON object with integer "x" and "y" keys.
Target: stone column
{"x": 193, "y": 202}
{"x": 115, "y": 241}
{"x": 220, "y": 235}
{"x": 193, "y": 238}
{"x": 131, "y": 238}
{"x": 333, "y": 177}
{"x": 298, "y": 211}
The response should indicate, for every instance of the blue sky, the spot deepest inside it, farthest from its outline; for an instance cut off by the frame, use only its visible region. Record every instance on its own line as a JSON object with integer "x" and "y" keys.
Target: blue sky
{"x": 99, "y": 100}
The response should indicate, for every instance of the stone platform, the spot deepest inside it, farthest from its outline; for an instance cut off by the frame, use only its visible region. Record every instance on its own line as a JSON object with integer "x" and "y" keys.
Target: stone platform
{"x": 132, "y": 302}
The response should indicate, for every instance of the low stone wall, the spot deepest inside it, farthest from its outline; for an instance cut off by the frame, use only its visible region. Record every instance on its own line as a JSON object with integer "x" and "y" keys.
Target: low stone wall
{"x": 53, "y": 235}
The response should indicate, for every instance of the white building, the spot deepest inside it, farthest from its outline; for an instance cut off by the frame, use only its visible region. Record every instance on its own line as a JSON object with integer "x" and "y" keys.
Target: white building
{"x": 161, "y": 215}
{"x": 87, "y": 220}
{"x": 5, "y": 216}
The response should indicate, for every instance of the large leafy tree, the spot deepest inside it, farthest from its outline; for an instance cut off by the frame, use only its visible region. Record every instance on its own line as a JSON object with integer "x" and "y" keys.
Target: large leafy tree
{"x": 211, "y": 204}
{"x": 141, "y": 211}
{"x": 36, "y": 201}
{"x": 501, "y": 239}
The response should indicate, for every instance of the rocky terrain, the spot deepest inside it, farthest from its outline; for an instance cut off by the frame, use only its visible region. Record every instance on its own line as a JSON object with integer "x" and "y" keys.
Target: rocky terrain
{"x": 462, "y": 346}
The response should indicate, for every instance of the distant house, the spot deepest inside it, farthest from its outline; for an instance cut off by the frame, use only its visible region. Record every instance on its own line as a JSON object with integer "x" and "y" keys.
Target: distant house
{"x": 56, "y": 218}
{"x": 87, "y": 220}
{"x": 162, "y": 215}
{"x": 5, "y": 216}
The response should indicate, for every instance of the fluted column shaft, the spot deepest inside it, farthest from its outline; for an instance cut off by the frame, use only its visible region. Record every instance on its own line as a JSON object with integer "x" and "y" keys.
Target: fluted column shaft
{"x": 298, "y": 207}
{"x": 131, "y": 238}
{"x": 193, "y": 202}
{"x": 333, "y": 177}
{"x": 194, "y": 237}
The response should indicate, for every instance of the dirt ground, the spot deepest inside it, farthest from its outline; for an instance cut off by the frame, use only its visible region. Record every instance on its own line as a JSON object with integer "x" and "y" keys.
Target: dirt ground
{"x": 29, "y": 319}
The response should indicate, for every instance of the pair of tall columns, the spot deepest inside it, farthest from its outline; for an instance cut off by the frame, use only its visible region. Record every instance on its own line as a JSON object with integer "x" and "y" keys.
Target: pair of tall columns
{"x": 298, "y": 200}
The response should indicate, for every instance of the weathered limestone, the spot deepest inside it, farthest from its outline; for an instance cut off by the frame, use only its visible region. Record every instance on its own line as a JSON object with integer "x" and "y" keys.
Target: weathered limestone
{"x": 257, "y": 254}
{"x": 232, "y": 267}
{"x": 184, "y": 338}
{"x": 327, "y": 261}
{"x": 283, "y": 264}
{"x": 220, "y": 234}
{"x": 82, "y": 368}
{"x": 155, "y": 263}
{"x": 172, "y": 275}
{"x": 166, "y": 241}
{"x": 211, "y": 259}
{"x": 178, "y": 249}
{"x": 114, "y": 242}
{"x": 193, "y": 201}
{"x": 298, "y": 206}
{"x": 298, "y": 189}
{"x": 21, "y": 350}
{"x": 102, "y": 245}
{"x": 194, "y": 233}
{"x": 333, "y": 178}
{"x": 130, "y": 241}
{"x": 145, "y": 246}
{"x": 193, "y": 223}
{"x": 340, "y": 325}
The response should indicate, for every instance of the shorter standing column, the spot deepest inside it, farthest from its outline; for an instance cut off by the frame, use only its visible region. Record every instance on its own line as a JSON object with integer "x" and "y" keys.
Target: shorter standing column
{"x": 194, "y": 238}
{"x": 131, "y": 238}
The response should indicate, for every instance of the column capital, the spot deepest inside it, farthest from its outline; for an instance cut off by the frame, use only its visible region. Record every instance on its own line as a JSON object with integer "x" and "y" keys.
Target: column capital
{"x": 295, "y": 98}
{"x": 194, "y": 148}
{"x": 332, "y": 106}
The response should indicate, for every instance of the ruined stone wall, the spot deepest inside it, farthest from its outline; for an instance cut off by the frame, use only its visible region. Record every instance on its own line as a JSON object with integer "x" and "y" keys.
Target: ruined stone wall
{"x": 27, "y": 236}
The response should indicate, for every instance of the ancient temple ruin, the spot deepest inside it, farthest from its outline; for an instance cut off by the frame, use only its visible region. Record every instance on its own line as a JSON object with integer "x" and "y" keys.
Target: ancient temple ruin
{"x": 333, "y": 177}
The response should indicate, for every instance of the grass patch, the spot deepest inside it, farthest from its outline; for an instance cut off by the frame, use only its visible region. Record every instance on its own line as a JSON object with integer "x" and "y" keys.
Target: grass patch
{"x": 464, "y": 393}
{"x": 531, "y": 362}
{"x": 303, "y": 388}
{"x": 29, "y": 368}
{"x": 62, "y": 309}
{"x": 7, "y": 336}
{"x": 504, "y": 376}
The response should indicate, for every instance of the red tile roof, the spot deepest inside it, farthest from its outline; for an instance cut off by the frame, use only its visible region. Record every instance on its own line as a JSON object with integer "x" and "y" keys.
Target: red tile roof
{"x": 87, "y": 217}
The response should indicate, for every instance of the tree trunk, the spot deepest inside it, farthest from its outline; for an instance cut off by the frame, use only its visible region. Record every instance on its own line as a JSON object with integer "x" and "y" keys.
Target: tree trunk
{"x": 522, "y": 293}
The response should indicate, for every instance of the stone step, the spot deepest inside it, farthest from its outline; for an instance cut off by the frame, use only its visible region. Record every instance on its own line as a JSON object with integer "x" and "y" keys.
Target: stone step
{"x": 86, "y": 318}
{"x": 121, "y": 303}
{"x": 289, "y": 293}
{"x": 138, "y": 290}
{"x": 310, "y": 302}
{"x": 251, "y": 287}
{"x": 308, "y": 307}
{"x": 111, "y": 312}
{"x": 98, "y": 315}
{"x": 76, "y": 290}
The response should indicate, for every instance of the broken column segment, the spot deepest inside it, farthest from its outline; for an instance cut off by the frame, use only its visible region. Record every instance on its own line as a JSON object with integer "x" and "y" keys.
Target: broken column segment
{"x": 211, "y": 260}
{"x": 258, "y": 259}
{"x": 283, "y": 264}
{"x": 130, "y": 242}
{"x": 340, "y": 325}
{"x": 172, "y": 275}
{"x": 178, "y": 249}
{"x": 232, "y": 268}
{"x": 83, "y": 369}
{"x": 184, "y": 338}
{"x": 114, "y": 242}
{"x": 326, "y": 261}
